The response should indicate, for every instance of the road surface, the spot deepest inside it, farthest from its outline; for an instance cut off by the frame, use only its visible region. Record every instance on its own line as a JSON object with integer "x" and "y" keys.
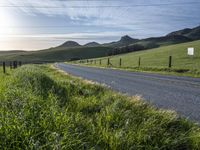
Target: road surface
{"x": 181, "y": 94}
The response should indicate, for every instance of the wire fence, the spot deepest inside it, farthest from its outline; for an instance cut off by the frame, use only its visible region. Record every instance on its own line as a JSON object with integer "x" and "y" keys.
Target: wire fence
{"x": 164, "y": 63}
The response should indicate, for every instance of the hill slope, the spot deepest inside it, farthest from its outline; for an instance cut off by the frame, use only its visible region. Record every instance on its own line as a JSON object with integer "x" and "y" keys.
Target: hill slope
{"x": 69, "y": 44}
{"x": 159, "y": 57}
{"x": 193, "y": 34}
{"x": 124, "y": 41}
{"x": 92, "y": 44}
{"x": 181, "y": 36}
{"x": 58, "y": 54}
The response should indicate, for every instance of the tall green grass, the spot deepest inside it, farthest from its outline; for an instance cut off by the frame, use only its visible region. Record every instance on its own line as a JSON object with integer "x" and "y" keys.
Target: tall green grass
{"x": 41, "y": 108}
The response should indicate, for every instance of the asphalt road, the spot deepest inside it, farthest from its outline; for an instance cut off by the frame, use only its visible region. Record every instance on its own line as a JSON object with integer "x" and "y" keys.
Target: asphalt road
{"x": 181, "y": 94}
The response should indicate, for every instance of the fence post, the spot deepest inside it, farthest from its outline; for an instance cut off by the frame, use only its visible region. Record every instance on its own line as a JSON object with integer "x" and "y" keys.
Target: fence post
{"x": 10, "y": 65}
{"x": 170, "y": 61}
{"x": 14, "y": 64}
{"x": 95, "y": 62}
{"x": 120, "y": 62}
{"x": 100, "y": 62}
{"x": 139, "y": 61}
{"x": 4, "y": 67}
{"x": 20, "y": 63}
{"x": 108, "y": 62}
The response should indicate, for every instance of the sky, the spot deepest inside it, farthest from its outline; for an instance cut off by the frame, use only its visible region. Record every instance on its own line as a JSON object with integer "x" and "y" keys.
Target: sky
{"x": 40, "y": 24}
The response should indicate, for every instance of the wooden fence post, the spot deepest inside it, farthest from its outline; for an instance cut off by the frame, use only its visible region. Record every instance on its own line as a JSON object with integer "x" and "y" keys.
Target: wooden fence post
{"x": 170, "y": 61}
{"x": 100, "y": 62}
{"x": 14, "y": 65}
{"x": 4, "y": 67}
{"x": 20, "y": 63}
{"x": 120, "y": 62}
{"x": 139, "y": 61}
{"x": 11, "y": 65}
{"x": 108, "y": 62}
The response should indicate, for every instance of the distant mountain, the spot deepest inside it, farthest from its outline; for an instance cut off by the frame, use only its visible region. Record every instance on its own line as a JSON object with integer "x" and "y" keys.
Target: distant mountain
{"x": 167, "y": 40}
{"x": 193, "y": 34}
{"x": 149, "y": 43}
{"x": 92, "y": 44}
{"x": 69, "y": 44}
{"x": 127, "y": 39}
{"x": 124, "y": 41}
{"x": 181, "y": 32}
{"x": 181, "y": 36}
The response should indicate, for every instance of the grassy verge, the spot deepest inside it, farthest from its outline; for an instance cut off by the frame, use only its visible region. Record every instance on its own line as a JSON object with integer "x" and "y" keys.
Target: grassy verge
{"x": 44, "y": 109}
{"x": 8, "y": 71}
{"x": 164, "y": 71}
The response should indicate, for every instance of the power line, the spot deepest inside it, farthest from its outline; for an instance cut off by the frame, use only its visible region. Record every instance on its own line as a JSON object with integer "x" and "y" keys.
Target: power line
{"x": 100, "y": 6}
{"x": 73, "y": 25}
{"x": 85, "y": 0}
{"x": 65, "y": 26}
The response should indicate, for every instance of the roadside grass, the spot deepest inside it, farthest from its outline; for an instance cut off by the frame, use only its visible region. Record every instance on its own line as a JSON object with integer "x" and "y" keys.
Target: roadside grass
{"x": 157, "y": 60}
{"x": 42, "y": 108}
{"x": 8, "y": 71}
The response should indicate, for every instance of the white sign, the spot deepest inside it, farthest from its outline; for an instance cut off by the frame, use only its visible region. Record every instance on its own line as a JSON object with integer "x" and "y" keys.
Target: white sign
{"x": 191, "y": 51}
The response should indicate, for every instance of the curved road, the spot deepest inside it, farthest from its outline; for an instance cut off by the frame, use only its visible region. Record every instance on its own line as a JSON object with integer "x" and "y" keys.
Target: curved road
{"x": 181, "y": 94}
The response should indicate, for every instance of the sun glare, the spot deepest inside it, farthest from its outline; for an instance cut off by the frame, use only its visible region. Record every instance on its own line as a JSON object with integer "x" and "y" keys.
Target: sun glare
{"x": 5, "y": 23}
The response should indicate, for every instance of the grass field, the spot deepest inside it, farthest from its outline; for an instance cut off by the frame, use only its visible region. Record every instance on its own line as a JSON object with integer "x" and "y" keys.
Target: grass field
{"x": 158, "y": 59}
{"x": 56, "y": 54}
{"x": 41, "y": 108}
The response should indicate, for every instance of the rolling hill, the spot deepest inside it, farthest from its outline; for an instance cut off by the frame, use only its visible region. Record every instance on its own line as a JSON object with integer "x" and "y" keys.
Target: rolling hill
{"x": 181, "y": 36}
{"x": 58, "y": 54}
{"x": 159, "y": 57}
{"x": 92, "y": 44}
{"x": 69, "y": 44}
{"x": 124, "y": 41}
{"x": 193, "y": 34}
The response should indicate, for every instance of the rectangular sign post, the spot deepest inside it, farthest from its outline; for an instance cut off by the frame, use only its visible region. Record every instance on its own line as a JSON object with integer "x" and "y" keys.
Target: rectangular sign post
{"x": 190, "y": 51}
{"x": 108, "y": 63}
{"x": 120, "y": 62}
{"x": 139, "y": 62}
{"x": 4, "y": 67}
{"x": 170, "y": 61}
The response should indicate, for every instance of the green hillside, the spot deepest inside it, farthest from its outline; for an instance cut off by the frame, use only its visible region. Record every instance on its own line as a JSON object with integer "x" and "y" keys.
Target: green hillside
{"x": 7, "y": 53}
{"x": 177, "y": 37}
{"x": 159, "y": 57}
{"x": 58, "y": 54}
{"x": 193, "y": 34}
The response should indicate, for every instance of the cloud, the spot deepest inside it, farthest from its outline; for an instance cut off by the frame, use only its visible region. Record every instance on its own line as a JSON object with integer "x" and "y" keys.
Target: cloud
{"x": 84, "y": 22}
{"x": 77, "y": 36}
{"x": 104, "y": 16}
{"x": 84, "y": 12}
